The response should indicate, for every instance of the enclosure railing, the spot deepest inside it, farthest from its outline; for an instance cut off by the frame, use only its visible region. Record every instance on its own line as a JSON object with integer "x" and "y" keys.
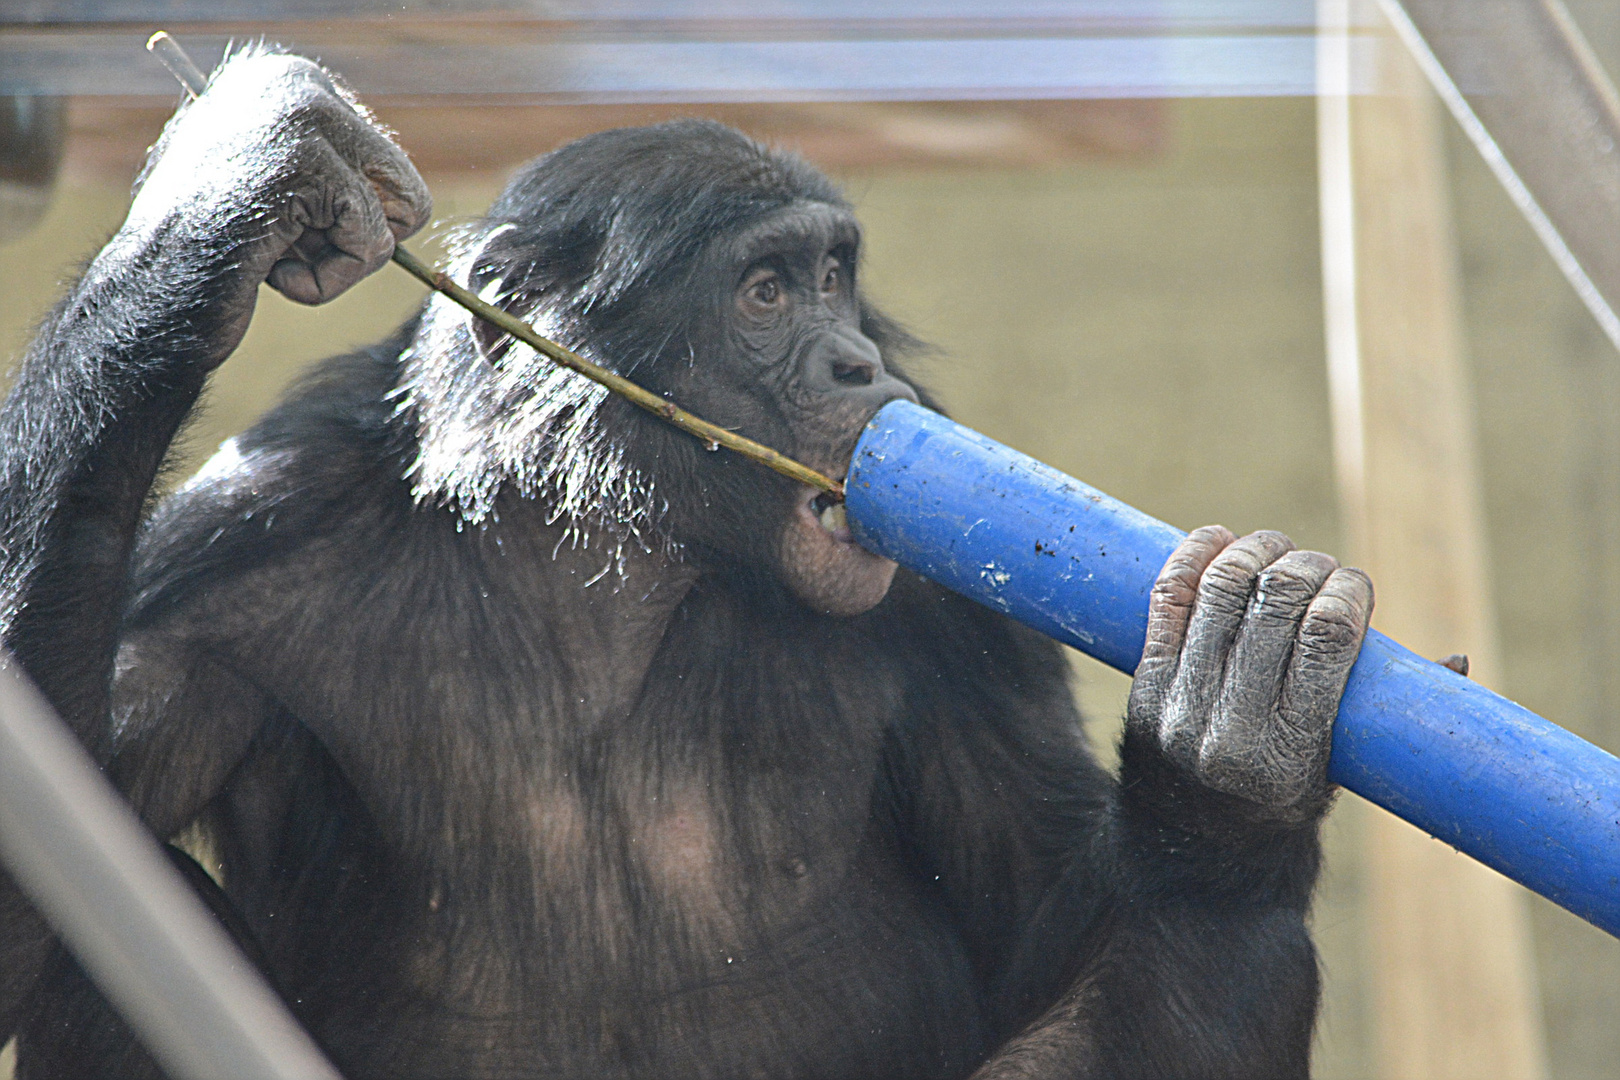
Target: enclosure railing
{"x": 163, "y": 960}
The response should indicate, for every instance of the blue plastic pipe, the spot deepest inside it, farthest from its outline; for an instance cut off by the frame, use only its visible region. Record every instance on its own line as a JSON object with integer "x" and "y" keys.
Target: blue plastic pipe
{"x": 1468, "y": 766}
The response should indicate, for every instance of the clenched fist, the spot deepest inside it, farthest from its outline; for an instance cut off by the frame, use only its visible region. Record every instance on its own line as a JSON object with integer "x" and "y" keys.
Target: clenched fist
{"x": 1249, "y": 645}
{"x": 275, "y": 174}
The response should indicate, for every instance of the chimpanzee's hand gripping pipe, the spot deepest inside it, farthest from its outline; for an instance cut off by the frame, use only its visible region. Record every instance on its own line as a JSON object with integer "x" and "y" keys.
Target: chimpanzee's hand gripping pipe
{"x": 1468, "y": 766}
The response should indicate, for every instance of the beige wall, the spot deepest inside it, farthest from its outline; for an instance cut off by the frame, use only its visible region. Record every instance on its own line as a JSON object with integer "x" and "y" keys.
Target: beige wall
{"x": 1153, "y": 325}
{"x": 1547, "y": 386}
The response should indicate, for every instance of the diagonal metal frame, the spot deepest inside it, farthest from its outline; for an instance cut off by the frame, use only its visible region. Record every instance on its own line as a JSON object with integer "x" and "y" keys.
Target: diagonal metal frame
{"x": 81, "y": 855}
{"x": 1525, "y": 86}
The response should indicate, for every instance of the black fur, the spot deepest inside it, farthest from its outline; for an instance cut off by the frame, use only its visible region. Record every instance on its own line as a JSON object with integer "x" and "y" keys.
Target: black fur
{"x": 475, "y": 834}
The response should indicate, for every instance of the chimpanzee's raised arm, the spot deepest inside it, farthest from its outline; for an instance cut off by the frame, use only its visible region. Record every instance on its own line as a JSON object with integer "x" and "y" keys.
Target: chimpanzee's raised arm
{"x": 273, "y": 175}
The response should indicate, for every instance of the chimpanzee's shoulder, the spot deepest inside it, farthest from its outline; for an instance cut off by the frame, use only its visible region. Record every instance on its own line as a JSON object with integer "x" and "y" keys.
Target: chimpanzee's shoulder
{"x": 326, "y": 465}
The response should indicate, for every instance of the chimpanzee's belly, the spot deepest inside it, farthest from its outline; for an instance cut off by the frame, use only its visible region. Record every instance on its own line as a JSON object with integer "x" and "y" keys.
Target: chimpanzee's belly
{"x": 874, "y": 984}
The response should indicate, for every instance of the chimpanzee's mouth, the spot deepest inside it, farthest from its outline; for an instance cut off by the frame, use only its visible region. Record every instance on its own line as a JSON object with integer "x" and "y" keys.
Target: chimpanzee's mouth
{"x": 830, "y": 513}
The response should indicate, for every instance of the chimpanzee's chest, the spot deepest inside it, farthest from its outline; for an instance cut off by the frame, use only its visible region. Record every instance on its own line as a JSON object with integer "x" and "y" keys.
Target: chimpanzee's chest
{"x": 711, "y": 883}
{"x": 833, "y": 965}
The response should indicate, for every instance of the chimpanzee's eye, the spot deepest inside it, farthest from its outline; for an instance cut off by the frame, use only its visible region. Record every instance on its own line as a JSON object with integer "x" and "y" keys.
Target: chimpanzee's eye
{"x": 766, "y": 291}
{"x": 834, "y": 279}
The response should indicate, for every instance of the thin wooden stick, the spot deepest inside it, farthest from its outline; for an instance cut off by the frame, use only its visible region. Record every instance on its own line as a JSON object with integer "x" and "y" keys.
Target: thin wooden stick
{"x": 166, "y": 49}
{"x": 712, "y": 434}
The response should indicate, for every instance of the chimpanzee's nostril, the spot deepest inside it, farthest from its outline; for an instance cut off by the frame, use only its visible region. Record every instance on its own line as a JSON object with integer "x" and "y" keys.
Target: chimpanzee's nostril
{"x": 854, "y": 373}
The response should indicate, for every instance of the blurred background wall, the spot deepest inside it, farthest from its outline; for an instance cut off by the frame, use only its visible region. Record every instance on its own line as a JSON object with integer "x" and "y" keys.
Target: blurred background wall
{"x": 1130, "y": 291}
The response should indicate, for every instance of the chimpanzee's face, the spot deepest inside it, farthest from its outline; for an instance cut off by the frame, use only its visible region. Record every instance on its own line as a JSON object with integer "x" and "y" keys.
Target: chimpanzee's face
{"x": 799, "y": 374}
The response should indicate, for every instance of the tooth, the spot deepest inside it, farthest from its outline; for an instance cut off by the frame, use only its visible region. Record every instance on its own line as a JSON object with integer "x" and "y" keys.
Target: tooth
{"x": 833, "y": 518}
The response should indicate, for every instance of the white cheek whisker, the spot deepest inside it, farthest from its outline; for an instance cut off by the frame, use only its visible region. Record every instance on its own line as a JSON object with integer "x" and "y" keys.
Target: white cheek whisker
{"x": 527, "y": 423}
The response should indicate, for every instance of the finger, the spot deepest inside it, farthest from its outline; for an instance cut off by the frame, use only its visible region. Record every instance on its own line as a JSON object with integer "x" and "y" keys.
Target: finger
{"x": 1223, "y": 597}
{"x": 291, "y": 274}
{"x": 1169, "y": 607}
{"x": 404, "y": 196}
{"x": 1239, "y": 739}
{"x": 338, "y": 231}
{"x": 1265, "y": 638}
{"x": 397, "y": 186}
{"x": 359, "y": 228}
{"x": 324, "y": 263}
{"x": 1329, "y": 641}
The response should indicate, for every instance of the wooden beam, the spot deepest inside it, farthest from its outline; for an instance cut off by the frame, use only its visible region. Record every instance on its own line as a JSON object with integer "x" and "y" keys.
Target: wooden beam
{"x": 109, "y": 137}
{"x": 1451, "y": 962}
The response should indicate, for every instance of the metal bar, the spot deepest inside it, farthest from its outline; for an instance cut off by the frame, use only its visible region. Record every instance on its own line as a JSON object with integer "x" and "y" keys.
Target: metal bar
{"x": 1188, "y": 15}
{"x": 1468, "y": 766}
{"x": 94, "y": 871}
{"x": 572, "y": 67}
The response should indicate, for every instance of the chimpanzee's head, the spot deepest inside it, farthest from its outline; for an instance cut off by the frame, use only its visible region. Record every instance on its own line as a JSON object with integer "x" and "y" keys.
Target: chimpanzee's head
{"x": 707, "y": 268}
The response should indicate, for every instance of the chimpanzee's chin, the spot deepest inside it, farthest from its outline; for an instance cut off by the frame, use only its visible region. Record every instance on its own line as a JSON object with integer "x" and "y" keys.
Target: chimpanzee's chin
{"x": 823, "y": 565}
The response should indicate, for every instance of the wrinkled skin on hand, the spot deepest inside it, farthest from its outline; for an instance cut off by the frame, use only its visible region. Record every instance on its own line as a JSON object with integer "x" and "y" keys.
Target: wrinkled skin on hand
{"x": 276, "y": 143}
{"x": 1249, "y": 645}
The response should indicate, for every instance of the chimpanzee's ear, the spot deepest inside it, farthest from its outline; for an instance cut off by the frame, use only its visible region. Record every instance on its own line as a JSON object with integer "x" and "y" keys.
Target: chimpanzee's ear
{"x": 493, "y": 342}
{"x": 531, "y": 269}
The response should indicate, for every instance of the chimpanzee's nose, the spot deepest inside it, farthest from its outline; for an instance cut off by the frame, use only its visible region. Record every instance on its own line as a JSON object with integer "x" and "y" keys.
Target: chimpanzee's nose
{"x": 847, "y": 364}
{"x": 854, "y": 372}
{"x": 843, "y": 357}
{"x": 856, "y": 369}
{"x": 847, "y": 360}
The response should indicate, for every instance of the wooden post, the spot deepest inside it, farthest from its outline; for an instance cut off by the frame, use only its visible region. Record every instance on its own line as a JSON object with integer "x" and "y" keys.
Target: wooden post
{"x": 1454, "y": 993}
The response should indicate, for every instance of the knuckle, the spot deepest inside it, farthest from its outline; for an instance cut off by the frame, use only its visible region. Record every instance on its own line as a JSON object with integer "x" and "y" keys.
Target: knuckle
{"x": 1290, "y": 579}
{"x": 1297, "y": 574}
{"x": 1175, "y": 588}
{"x": 308, "y": 76}
{"x": 1355, "y": 580}
{"x": 1266, "y": 545}
{"x": 301, "y": 84}
{"x": 1207, "y": 537}
{"x": 395, "y": 177}
{"x": 1317, "y": 563}
{"x": 1234, "y": 572}
{"x": 1194, "y": 553}
{"x": 281, "y": 63}
{"x": 1231, "y": 576}
{"x": 1331, "y": 625}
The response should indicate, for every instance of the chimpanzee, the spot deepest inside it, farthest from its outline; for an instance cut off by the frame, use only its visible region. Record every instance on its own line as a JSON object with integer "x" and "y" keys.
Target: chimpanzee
{"x": 537, "y": 739}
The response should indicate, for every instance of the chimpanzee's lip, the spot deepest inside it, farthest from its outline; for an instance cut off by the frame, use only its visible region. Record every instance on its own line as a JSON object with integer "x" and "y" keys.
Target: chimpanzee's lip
{"x": 828, "y": 515}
